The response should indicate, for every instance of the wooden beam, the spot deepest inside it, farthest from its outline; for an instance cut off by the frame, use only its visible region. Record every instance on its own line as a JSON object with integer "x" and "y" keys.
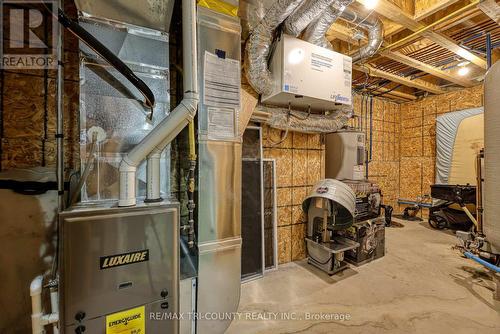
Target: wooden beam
{"x": 401, "y": 58}
{"x": 394, "y": 13}
{"x": 397, "y": 93}
{"x": 492, "y": 9}
{"x": 416, "y": 83}
{"x": 422, "y": 14}
{"x": 343, "y": 33}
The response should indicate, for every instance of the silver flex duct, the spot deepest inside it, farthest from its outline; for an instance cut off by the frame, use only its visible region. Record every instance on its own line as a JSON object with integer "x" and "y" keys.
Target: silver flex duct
{"x": 259, "y": 44}
{"x": 307, "y": 12}
{"x": 316, "y": 31}
{"x": 373, "y": 25}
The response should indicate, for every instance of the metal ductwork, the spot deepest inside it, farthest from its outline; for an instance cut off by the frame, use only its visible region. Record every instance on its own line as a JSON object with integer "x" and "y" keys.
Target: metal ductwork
{"x": 166, "y": 131}
{"x": 315, "y": 32}
{"x": 373, "y": 25}
{"x": 152, "y": 14}
{"x": 259, "y": 44}
{"x": 292, "y": 120}
{"x": 304, "y": 15}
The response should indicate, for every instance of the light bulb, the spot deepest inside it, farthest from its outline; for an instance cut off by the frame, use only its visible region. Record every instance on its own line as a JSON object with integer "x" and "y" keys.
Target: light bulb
{"x": 463, "y": 71}
{"x": 370, "y": 4}
{"x": 296, "y": 56}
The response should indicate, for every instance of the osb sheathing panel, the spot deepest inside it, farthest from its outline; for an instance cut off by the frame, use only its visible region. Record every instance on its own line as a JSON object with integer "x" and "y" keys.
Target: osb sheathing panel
{"x": 299, "y": 165}
{"x": 411, "y": 176}
{"x": 27, "y": 126}
{"x": 418, "y": 137}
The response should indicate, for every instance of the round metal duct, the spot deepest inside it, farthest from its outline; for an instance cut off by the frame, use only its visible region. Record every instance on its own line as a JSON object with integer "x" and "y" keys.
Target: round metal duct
{"x": 337, "y": 192}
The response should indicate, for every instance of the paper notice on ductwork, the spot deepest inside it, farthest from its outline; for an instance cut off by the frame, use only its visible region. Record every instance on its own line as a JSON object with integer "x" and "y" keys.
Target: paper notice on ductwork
{"x": 221, "y": 123}
{"x": 221, "y": 84}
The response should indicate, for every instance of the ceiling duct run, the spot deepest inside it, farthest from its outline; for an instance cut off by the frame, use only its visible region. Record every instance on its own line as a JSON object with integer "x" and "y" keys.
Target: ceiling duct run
{"x": 315, "y": 32}
{"x": 304, "y": 15}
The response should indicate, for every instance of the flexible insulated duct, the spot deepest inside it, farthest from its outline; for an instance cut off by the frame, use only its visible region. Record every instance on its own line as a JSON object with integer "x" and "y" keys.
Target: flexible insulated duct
{"x": 291, "y": 120}
{"x": 316, "y": 31}
{"x": 304, "y": 15}
{"x": 375, "y": 28}
{"x": 259, "y": 44}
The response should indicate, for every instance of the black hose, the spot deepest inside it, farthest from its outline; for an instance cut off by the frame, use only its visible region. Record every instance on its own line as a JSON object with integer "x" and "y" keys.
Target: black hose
{"x": 387, "y": 92}
{"x": 108, "y": 56}
{"x": 371, "y": 127}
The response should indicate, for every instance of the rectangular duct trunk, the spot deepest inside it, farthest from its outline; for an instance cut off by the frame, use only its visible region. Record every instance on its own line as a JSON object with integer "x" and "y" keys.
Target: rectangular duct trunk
{"x": 219, "y": 185}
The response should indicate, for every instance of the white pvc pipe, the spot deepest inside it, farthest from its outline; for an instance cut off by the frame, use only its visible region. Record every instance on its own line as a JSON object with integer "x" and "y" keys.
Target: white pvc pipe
{"x": 54, "y": 308}
{"x": 170, "y": 126}
{"x": 38, "y": 319}
{"x": 153, "y": 176}
{"x": 36, "y": 305}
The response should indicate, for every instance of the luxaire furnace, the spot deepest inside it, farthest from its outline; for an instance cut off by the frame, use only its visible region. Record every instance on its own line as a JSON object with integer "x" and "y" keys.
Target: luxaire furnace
{"x": 118, "y": 266}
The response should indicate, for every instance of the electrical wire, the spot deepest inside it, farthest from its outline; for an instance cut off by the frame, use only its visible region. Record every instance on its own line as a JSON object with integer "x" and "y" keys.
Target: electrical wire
{"x": 282, "y": 139}
{"x": 386, "y": 92}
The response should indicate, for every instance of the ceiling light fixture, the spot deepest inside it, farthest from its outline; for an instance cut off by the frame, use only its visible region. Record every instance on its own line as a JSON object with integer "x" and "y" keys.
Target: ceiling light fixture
{"x": 370, "y": 4}
{"x": 463, "y": 71}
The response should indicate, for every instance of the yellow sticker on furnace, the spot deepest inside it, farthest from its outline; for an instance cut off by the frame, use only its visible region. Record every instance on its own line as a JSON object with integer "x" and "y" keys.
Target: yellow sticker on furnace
{"x": 126, "y": 322}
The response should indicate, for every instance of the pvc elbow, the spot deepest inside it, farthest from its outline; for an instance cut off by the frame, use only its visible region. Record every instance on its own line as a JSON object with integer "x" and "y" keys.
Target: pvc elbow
{"x": 36, "y": 286}
{"x": 190, "y": 102}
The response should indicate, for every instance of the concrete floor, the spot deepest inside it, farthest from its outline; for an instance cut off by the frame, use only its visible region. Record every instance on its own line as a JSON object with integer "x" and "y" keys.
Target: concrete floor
{"x": 420, "y": 286}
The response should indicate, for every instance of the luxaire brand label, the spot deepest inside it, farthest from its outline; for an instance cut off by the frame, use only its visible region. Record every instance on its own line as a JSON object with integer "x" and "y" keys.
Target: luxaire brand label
{"x": 117, "y": 260}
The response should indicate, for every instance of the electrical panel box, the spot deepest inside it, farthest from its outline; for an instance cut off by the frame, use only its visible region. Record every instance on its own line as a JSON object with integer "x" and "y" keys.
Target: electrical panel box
{"x": 306, "y": 75}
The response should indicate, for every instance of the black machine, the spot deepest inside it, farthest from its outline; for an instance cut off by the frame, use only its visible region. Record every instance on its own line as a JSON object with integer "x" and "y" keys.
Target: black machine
{"x": 370, "y": 234}
{"x": 450, "y": 213}
{"x": 368, "y": 199}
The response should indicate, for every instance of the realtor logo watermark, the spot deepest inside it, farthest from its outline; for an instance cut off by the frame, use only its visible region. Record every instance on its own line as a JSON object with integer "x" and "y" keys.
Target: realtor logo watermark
{"x": 28, "y": 35}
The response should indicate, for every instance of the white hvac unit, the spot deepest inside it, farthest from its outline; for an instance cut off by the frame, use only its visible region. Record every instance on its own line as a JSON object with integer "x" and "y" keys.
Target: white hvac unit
{"x": 345, "y": 155}
{"x": 306, "y": 75}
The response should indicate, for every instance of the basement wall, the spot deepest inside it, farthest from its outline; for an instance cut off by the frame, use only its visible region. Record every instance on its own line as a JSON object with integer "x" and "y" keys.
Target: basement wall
{"x": 27, "y": 139}
{"x": 418, "y": 138}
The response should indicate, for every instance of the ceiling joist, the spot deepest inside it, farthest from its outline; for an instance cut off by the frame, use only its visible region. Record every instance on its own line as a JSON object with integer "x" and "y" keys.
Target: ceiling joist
{"x": 401, "y": 58}
{"x": 394, "y": 13}
{"x": 415, "y": 83}
{"x": 491, "y": 8}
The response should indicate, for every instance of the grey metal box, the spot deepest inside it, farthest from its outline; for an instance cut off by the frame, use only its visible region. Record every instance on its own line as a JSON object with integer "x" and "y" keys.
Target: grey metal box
{"x": 98, "y": 278}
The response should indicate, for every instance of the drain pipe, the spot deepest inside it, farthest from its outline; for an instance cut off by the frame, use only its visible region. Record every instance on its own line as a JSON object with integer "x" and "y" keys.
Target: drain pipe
{"x": 170, "y": 126}
{"x": 153, "y": 178}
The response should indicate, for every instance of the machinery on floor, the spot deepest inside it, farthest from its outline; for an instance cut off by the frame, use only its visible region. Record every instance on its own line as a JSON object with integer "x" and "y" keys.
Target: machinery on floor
{"x": 330, "y": 207}
{"x": 370, "y": 234}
